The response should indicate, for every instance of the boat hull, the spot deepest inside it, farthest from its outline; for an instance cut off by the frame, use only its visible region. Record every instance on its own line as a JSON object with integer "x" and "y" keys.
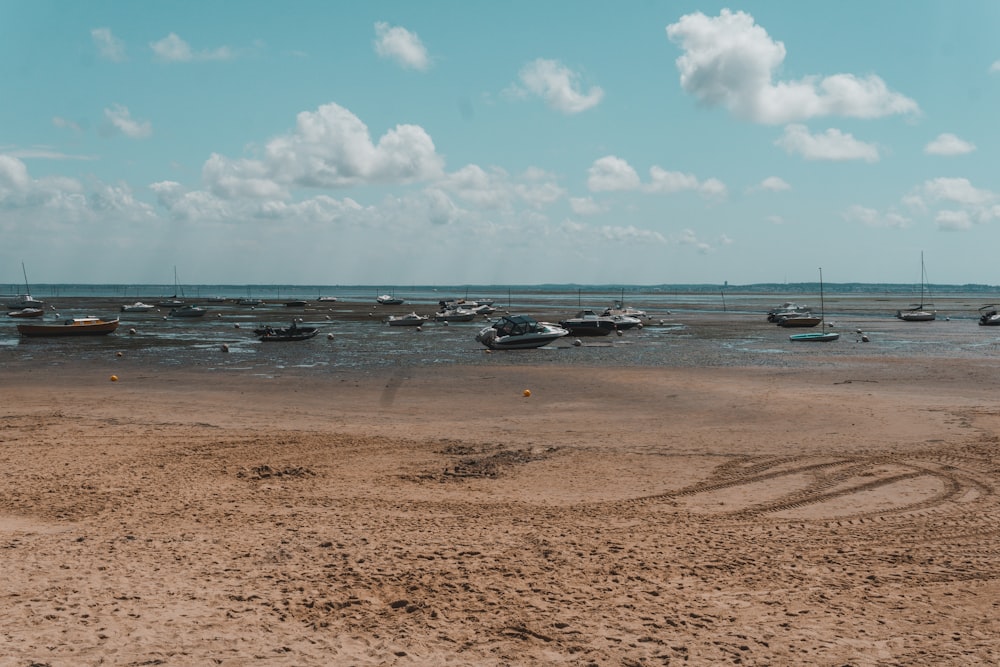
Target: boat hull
{"x": 817, "y": 337}
{"x": 88, "y": 327}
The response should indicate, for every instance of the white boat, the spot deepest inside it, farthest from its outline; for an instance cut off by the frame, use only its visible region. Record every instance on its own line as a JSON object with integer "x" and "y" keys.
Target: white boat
{"x": 988, "y": 315}
{"x": 25, "y": 300}
{"x": 410, "y": 320}
{"x": 519, "y": 332}
{"x": 389, "y": 300}
{"x": 455, "y": 315}
{"x": 138, "y": 307}
{"x": 787, "y": 309}
{"x": 188, "y": 311}
{"x": 918, "y": 312}
{"x": 327, "y": 298}
{"x": 248, "y": 301}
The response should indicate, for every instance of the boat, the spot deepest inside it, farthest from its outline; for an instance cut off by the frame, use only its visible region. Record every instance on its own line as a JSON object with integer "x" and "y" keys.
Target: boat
{"x": 26, "y": 312}
{"x": 798, "y": 320}
{"x": 787, "y": 309}
{"x": 296, "y": 303}
{"x": 286, "y": 334}
{"x": 137, "y": 307}
{"x": 823, "y": 336}
{"x": 623, "y": 322}
{"x": 519, "y": 332}
{"x": 918, "y": 312}
{"x": 327, "y": 298}
{"x": 25, "y": 300}
{"x": 410, "y": 320}
{"x": 172, "y": 302}
{"x": 248, "y": 301}
{"x": 188, "y": 311}
{"x": 455, "y": 315}
{"x": 588, "y": 323}
{"x": 988, "y": 315}
{"x": 389, "y": 300}
{"x": 74, "y": 326}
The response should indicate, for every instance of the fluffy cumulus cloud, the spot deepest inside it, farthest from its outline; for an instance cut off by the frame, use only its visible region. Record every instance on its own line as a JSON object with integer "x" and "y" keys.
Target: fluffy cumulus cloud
{"x": 611, "y": 173}
{"x": 948, "y": 144}
{"x": 108, "y": 46}
{"x": 773, "y": 184}
{"x": 119, "y": 119}
{"x": 830, "y": 145}
{"x": 328, "y": 148}
{"x": 559, "y": 87}
{"x": 173, "y": 49}
{"x": 953, "y": 204}
{"x": 730, "y": 61}
{"x": 401, "y": 46}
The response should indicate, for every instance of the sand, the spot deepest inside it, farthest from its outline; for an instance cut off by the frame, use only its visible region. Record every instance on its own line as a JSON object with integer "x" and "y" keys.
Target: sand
{"x": 843, "y": 515}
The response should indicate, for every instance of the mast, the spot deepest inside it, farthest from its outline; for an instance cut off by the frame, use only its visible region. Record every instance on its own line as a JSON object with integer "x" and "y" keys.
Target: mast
{"x": 822, "y": 306}
{"x": 27, "y": 290}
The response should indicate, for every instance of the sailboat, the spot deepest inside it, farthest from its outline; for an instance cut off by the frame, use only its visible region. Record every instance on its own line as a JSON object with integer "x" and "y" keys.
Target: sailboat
{"x": 918, "y": 312}
{"x": 172, "y": 302}
{"x": 817, "y": 336}
{"x": 25, "y": 300}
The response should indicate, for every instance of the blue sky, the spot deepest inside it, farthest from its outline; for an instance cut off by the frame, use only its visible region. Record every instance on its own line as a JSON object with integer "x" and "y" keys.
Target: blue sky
{"x": 395, "y": 143}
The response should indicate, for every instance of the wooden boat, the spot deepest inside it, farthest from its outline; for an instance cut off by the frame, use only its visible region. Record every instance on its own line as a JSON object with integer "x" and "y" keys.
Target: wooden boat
{"x": 75, "y": 326}
{"x": 26, "y": 312}
{"x": 918, "y": 312}
{"x": 816, "y": 336}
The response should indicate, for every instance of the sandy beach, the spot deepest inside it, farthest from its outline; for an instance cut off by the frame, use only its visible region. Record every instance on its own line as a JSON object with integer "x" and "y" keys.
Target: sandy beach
{"x": 842, "y": 515}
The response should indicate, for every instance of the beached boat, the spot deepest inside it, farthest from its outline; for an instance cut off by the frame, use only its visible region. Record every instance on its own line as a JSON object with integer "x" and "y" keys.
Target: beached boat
{"x": 787, "y": 309}
{"x": 588, "y": 323}
{"x": 817, "y": 336}
{"x": 285, "y": 334}
{"x": 188, "y": 311}
{"x": 918, "y": 312}
{"x": 74, "y": 326}
{"x": 800, "y": 320}
{"x": 26, "y": 313}
{"x": 327, "y": 298}
{"x": 519, "y": 332}
{"x": 296, "y": 303}
{"x": 410, "y": 320}
{"x": 137, "y": 307}
{"x": 988, "y": 315}
{"x": 25, "y": 300}
{"x": 455, "y": 315}
{"x": 389, "y": 300}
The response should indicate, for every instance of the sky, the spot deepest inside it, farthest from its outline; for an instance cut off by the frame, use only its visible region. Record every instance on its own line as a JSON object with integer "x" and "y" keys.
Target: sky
{"x": 454, "y": 142}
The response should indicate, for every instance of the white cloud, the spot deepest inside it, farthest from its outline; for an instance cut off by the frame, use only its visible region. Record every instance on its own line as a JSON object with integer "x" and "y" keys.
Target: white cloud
{"x": 730, "y": 61}
{"x": 329, "y": 148}
{"x": 65, "y": 123}
{"x": 948, "y": 144}
{"x": 690, "y": 238}
{"x": 831, "y": 145}
{"x": 957, "y": 190}
{"x": 173, "y": 49}
{"x": 953, "y": 221}
{"x": 402, "y": 46}
{"x": 559, "y": 86}
{"x": 586, "y": 206}
{"x": 774, "y": 184}
{"x": 43, "y": 153}
{"x": 995, "y": 67}
{"x": 108, "y": 46}
{"x": 612, "y": 173}
{"x": 121, "y": 120}
{"x": 873, "y": 218}
{"x": 631, "y": 234}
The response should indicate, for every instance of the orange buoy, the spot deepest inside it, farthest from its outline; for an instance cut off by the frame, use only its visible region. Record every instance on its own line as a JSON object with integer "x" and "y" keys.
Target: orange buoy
{"x": 114, "y": 378}
{"x": 527, "y": 392}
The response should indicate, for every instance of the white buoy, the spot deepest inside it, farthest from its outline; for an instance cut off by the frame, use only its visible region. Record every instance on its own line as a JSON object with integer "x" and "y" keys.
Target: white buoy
{"x": 329, "y": 336}
{"x": 225, "y": 348}
{"x": 618, "y": 331}
{"x": 132, "y": 331}
{"x": 237, "y": 325}
{"x": 577, "y": 343}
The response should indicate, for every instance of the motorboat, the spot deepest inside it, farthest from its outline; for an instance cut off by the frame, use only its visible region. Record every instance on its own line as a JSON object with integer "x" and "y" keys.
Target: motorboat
{"x": 589, "y": 323}
{"x": 389, "y": 300}
{"x": 249, "y": 301}
{"x": 188, "y": 311}
{"x": 26, "y": 313}
{"x": 74, "y": 326}
{"x": 327, "y": 298}
{"x": 627, "y": 311}
{"x": 988, "y": 315}
{"x": 172, "y": 302}
{"x": 787, "y": 309}
{"x": 455, "y": 315}
{"x": 519, "y": 332}
{"x": 623, "y": 322}
{"x": 137, "y": 307}
{"x": 285, "y": 334}
{"x": 296, "y": 303}
{"x": 410, "y": 320}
